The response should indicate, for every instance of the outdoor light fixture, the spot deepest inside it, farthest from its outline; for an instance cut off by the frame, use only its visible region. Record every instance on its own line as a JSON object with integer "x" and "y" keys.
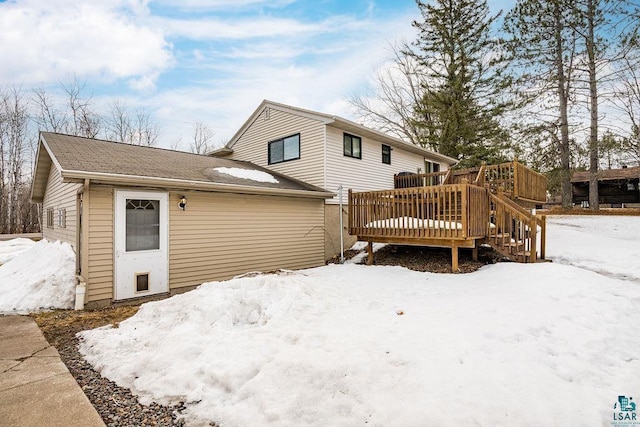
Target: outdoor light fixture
{"x": 183, "y": 202}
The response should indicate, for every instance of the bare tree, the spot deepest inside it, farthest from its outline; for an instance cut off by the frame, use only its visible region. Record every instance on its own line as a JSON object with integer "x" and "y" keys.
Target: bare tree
{"x": 135, "y": 128}
{"x": 628, "y": 102}
{"x": 391, "y": 105}
{"x": 144, "y": 130}
{"x": 118, "y": 122}
{"x": 48, "y": 117}
{"x": 543, "y": 44}
{"x": 202, "y": 136}
{"x": 83, "y": 121}
{"x": 75, "y": 117}
{"x": 13, "y": 145}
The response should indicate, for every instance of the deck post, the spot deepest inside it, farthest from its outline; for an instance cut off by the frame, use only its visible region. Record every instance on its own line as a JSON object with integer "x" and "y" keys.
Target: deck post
{"x": 454, "y": 258}
{"x": 543, "y": 236}
{"x": 474, "y": 253}
{"x": 370, "y": 251}
{"x": 533, "y": 230}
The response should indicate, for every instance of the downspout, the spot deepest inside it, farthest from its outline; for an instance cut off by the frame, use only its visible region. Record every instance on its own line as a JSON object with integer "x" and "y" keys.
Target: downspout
{"x": 82, "y": 236}
{"x": 341, "y": 227}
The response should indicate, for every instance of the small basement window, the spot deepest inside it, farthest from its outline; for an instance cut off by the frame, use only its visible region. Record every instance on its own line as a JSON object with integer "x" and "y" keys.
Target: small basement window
{"x": 386, "y": 154}
{"x": 284, "y": 149}
{"x": 352, "y": 146}
{"x": 49, "y": 217}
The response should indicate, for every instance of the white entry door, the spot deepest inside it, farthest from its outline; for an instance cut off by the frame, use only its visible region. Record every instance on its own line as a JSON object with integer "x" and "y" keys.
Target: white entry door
{"x": 141, "y": 243}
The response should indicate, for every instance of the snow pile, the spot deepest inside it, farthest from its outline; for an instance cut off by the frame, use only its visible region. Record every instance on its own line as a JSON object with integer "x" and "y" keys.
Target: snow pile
{"x": 253, "y": 175}
{"x": 40, "y": 277}
{"x": 605, "y": 244}
{"x": 9, "y": 249}
{"x": 512, "y": 344}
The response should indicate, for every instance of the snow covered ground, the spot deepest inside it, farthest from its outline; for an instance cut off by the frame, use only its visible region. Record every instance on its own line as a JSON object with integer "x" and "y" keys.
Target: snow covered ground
{"x": 36, "y": 276}
{"x": 606, "y": 244}
{"x": 9, "y": 249}
{"x": 510, "y": 345}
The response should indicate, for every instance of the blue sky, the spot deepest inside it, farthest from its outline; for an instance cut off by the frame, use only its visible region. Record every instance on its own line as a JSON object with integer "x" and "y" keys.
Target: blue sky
{"x": 204, "y": 60}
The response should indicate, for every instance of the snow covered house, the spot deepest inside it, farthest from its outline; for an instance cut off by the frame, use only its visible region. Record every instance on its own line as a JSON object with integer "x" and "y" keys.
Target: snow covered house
{"x": 146, "y": 221}
{"x": 327, "y": 151}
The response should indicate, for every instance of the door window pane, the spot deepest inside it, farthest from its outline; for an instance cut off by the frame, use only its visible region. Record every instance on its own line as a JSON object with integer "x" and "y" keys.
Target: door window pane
{"x": 142, "y": 225}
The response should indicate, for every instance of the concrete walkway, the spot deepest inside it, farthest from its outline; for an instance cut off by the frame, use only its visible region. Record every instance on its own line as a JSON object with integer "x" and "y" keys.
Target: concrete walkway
{"x": 36, "y": 388}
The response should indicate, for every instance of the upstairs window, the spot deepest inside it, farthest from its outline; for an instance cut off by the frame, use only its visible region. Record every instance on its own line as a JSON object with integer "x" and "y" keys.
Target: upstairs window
{"x": 386, "y": 154}
{"x": 352, "y": 146}
{"x": 284, "y": 149}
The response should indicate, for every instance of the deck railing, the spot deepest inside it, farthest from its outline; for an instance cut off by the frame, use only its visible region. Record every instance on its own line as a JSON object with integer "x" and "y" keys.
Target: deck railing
{"x": 514, "y": 229}
{"x": 454, "y": 212}
{"x": 529, "y": 184}
{"x": 419, "y": 179}
{"x": 515, "y": 179}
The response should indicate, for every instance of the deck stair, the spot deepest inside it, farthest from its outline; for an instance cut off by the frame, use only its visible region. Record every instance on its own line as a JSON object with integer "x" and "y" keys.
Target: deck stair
{"x": 513, "y": 230}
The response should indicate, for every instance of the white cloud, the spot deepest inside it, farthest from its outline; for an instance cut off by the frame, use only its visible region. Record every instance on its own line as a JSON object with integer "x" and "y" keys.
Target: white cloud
{"x": 224, "y": 65}
{"x": 249, "y": 28}
{"x": 252, "y": 72}
{"x": 223, "y": 4}
{"x": 47, "y": 41}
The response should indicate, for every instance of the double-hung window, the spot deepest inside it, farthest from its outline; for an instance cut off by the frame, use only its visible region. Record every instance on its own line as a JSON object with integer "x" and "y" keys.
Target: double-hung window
{"x": 284, "y": 149}
{"x": 352, "y": 146}
{"x": 62, "y": 218}
{"x": 49, "y": 217}
{"x": 386, "y": 154}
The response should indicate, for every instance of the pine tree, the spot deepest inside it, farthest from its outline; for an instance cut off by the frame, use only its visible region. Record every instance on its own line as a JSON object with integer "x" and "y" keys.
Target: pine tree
{"x": 466, "y": 94}
{"x": 543, "y": 49}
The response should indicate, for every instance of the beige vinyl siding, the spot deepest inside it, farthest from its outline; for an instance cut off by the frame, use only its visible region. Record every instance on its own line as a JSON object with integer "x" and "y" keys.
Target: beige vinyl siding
{"x": 367, "y": 173}
{"x": 252, "y": 146}
{"x": 60, "y": 195}
{"x": 219, "y": 236}
{"x": 100, "y": 276}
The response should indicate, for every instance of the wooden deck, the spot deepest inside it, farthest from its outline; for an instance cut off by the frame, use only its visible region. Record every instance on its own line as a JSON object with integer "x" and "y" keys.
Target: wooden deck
{"x": 456, "y": 209}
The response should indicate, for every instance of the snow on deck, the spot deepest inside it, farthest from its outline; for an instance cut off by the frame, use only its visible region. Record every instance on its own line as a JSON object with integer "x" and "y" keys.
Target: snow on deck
{"x": 414, "y": 223}
{"x": 509, "y": 345}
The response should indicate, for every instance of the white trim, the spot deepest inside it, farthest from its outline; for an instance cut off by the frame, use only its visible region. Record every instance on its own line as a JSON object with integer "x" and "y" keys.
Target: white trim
{"x": 339, "y": 123}
{"x": 122, "y": 179}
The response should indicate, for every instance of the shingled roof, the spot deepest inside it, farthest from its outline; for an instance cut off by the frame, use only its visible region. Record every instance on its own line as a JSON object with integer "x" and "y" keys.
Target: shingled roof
{"x": 608, "y": 174}
{"x": 102, "y": 161}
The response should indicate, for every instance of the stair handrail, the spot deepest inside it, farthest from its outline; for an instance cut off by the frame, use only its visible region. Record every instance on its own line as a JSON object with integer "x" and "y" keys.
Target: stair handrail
{"x": 447, "y": 178}
{"x": 532, "y": 220}
{"x": 481, "y": 178}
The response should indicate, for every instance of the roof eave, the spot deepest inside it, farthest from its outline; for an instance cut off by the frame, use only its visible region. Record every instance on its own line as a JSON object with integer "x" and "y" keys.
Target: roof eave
{"x": 221, "y": 152}
{"x": 41, "y": 166}
{"x": 135, "y": 180}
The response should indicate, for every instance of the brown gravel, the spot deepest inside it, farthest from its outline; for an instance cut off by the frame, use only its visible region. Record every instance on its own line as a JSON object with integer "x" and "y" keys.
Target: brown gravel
{"x": 116, "y": 405}
{"x": 434, "y": 260}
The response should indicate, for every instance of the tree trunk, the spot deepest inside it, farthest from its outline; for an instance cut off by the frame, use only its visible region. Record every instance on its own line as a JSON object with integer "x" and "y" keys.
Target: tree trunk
{"x": 565, "y": 184}
{"x": 594, "y": 202}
